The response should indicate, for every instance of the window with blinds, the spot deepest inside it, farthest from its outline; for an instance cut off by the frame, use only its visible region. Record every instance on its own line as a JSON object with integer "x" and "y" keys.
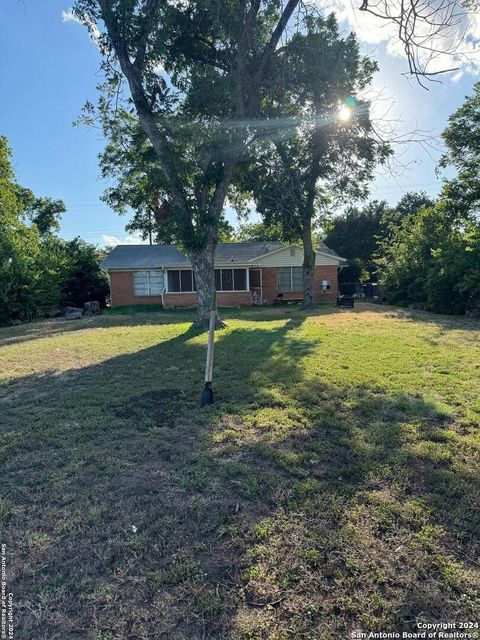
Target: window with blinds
{"x": 148, "y": 283}
{"x": 290, "y": 279}
{"x": 297, "y": 279}
{"x": 284, "y": 279}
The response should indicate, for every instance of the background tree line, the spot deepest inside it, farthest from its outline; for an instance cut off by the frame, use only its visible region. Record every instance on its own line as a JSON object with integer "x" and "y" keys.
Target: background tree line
{"x": 38, "y": 270}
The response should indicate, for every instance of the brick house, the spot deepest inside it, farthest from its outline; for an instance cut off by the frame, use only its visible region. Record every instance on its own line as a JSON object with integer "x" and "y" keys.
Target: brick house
{"x": 245, "y": 273}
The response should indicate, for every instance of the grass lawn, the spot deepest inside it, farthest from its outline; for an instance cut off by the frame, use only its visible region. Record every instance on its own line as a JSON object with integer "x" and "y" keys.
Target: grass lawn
{"x": 334, "y": 487}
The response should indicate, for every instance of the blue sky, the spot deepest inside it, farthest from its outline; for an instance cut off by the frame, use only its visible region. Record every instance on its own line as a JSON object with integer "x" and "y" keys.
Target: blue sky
{"x": 49, "y": 68}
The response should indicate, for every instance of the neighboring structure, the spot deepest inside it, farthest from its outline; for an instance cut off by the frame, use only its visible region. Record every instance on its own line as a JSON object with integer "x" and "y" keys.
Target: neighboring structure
{"x": 245, "y": 273}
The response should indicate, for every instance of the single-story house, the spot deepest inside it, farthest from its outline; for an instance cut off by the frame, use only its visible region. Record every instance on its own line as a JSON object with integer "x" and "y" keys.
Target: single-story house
{"x": 245, "y": 273}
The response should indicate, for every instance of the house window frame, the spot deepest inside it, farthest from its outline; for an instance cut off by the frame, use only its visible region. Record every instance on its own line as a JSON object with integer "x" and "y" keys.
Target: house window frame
{"x": 167, "y": 290}
{"x": 220, "y": 269}
{"x": 290, "y": 289}
{"x": 233, "y": 290}
{"x": 148, "y": 273}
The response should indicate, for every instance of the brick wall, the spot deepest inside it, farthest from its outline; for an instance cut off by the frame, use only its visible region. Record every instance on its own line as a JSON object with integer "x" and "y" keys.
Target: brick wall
{"x": 121, "y": 291}
{"x": 121, "y": 287}
{"x": 325, "y": 273}
{"x": 224, "y": 299}
{"x": 270, "y": 284}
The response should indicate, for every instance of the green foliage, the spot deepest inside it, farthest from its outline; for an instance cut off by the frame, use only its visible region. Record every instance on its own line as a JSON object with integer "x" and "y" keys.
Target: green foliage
{"x": 82, "y": 279}
{"x": 38, "y": 270}
{"x": 433, "y": 257}
{"x": 45, "y": 214}
{"x": 411, "y": 203}
{"x": 21, "y": 282}
{"x": 462, "y": 137}
{"x": 355, "y": 234}
{"x": 177, "y": 187}
{"x": 359, "y": 233}
{"x": 434, "y": 260}
{"x": 311, "y": 160}
{"x": 138, "y": 184}
{"x": 257, "y": 232}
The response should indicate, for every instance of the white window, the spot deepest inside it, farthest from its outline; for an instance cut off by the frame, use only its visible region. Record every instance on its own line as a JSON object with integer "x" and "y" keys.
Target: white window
{"x": 326, "y": 284}
{"x": 290, "y": 279}
{"x": 148, "y": 283}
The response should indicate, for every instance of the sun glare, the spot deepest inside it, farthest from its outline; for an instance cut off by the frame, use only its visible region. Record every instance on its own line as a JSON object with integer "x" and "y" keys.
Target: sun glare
{"x": 344, "y": 114}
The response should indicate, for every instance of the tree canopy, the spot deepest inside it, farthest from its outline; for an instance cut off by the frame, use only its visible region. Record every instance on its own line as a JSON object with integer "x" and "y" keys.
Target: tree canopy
{"x": 315, "y": 158}
{"x": 359, "y": 233}
{"x": 462, "y": 138}
{"x": 195, "y": 73}
{"x": 433, "y": 260}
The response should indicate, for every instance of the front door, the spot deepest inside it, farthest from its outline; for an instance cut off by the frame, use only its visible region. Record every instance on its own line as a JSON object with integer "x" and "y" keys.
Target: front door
{"x": 255, "y": 279}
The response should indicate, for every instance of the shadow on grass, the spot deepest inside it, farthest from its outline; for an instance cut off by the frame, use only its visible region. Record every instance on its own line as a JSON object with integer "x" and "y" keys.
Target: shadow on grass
{"x": 57, "y": 326}
{"x": 290, "y": 507}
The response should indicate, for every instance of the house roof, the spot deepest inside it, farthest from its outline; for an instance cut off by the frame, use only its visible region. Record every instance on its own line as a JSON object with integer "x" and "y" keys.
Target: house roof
{"x": 144, "y": 256}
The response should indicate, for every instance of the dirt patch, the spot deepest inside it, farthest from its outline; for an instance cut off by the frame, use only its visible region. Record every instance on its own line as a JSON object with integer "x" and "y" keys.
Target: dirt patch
{"x": 163, "y": 405}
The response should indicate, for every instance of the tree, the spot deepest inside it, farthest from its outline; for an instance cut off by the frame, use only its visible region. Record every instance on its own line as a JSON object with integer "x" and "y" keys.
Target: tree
{"x": 83, "y": 279}
{"x": 138, "y": 184}
{"x": 215, "y": 58}
{"x": 433, "y": 257}
{"x": 45, "y": 213}
{"x": 39, "y": 270}
{"x": 355, "y": 235}
{"x": 462, "y": 137}
{"x": 359, "y": 233}
{"x": 257, "y": 232}
{"x": 433, "y": 260}
{"x": 320, "y": 158}
{"x": 411, "y": 203}
{"x": 25, "y": 288}
{"x": 216, "y": 55}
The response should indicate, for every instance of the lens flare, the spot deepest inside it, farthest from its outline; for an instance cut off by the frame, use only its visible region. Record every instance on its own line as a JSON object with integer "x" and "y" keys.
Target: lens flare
{"x": 344, "y": 113}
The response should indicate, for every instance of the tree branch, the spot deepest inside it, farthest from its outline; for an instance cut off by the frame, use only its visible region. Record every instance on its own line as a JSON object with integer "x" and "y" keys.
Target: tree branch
{"x": 275, "y": 37}
{"x": 133, "y": 74}
{"x": 152, "y": 8}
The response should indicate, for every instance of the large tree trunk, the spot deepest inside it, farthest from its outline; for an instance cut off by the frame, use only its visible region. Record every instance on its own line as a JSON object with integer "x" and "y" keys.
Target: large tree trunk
{"x": 308, "y": 266}
{"x": 202, "y": 261}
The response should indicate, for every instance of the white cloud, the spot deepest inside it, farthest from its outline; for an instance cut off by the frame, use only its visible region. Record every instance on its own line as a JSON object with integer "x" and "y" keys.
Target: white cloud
{"x": 112, "y": 241}
{"x": 461, "y": 39}
{"x": 69, "y": 16}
